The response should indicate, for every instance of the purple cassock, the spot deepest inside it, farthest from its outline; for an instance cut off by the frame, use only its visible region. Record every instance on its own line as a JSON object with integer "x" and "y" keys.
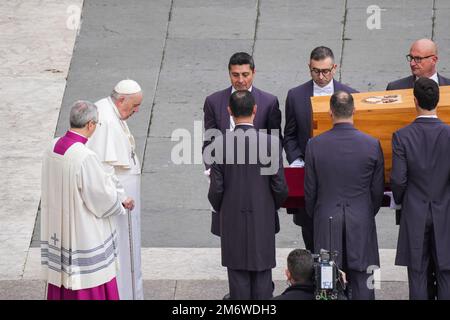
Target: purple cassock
{"x": 106, "y": 291}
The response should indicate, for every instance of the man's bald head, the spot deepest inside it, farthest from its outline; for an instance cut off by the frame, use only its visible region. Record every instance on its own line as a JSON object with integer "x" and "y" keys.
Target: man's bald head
{"x": 342, "y": 105}
{"x": 427, "y": 46}
{"x": 424, "y": 57}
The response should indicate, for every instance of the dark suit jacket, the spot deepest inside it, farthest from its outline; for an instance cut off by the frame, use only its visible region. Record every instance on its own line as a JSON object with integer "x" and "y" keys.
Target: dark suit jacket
{"x": 216, "y": 116}
{"x": 420, "y": 181}
{"x": 247, "y": 201}
{"x": 344, "y": 178}
{"x": 297, "y": 292}
{"x": 408, "y": 83}
{"x": 297, "y": 129}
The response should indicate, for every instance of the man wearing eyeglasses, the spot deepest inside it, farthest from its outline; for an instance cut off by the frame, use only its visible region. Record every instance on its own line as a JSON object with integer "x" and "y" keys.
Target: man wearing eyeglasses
{"x": 297, "y": 130}
{"x": 422, "y": 58}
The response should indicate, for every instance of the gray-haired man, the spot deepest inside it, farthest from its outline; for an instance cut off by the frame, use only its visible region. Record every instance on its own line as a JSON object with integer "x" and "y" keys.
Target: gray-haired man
{"x": 78, "y": 201}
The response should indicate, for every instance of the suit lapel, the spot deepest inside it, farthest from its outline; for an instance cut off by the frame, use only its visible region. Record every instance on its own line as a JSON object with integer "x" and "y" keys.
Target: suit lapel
{"x": 337, "y": 85}
{"x": 259, "y": 104}
{"x": 442, "y": 81}
{"x": 411, "y": 81}
{"x": 224, "y": 115}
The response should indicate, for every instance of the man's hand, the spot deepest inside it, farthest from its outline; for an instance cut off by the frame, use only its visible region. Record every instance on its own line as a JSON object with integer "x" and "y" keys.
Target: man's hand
{"x": 343, "y": 276}
{"x": 128, "y": 203}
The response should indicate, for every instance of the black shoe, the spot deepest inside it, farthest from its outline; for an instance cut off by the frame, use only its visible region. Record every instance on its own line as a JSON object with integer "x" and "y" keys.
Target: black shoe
{"x": 226, "y": 297}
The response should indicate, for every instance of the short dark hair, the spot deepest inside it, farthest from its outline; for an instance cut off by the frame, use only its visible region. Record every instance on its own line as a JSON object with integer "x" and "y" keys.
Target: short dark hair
{"x": 426, "y": 92}
{"x": 300, "y": 265}
{"x": 342, "y": 104}
{"x": 240, "y": 58}
{"x": 321, "y": 53}
{"x": 242, "y": 103}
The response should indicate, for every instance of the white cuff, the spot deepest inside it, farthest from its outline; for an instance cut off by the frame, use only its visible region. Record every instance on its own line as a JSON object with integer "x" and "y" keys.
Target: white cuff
{"x": 392, "y": 204}
{"x": 297, "y": 163}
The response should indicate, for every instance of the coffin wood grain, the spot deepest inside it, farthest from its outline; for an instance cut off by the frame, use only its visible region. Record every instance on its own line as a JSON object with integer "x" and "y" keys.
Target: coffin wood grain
{"x": 379, "y": 120}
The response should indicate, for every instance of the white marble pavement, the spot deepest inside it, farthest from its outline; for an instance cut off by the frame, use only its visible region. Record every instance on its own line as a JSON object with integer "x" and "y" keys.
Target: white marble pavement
{"x": 36, "y": 44}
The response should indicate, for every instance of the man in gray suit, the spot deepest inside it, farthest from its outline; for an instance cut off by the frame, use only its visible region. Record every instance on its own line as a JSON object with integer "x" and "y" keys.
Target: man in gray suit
{"x": 344, "y": 179}
{"x": 420, "y": 180}
{"x": 247, "y": 188}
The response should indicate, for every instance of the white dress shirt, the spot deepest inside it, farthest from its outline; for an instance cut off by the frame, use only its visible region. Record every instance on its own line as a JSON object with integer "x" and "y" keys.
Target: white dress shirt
{"x": 433, "y": 77}
{"x": 429, "y": 116}
{"x": 328, "y": 90}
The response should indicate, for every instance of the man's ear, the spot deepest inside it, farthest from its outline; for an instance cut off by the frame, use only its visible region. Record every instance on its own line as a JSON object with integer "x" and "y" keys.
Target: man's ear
{"x": 229, "y": 111}
{"x": 254, "y": 109}
{"x": 288, "y": 274}
{"x": 330, "y": 113}
{"x": 435, "y": 59}
{"x": 416, "y": 103}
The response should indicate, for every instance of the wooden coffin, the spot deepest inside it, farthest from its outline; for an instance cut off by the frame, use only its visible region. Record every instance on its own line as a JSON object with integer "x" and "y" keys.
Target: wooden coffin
{"x": 377, "y": 118}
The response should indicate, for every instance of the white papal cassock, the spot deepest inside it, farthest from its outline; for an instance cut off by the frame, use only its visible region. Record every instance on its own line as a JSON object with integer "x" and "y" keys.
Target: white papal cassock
{"x": 115, "y": 146}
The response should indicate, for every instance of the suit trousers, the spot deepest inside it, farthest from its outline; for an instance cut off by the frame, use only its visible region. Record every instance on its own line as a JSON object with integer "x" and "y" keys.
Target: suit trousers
{"x": 250, "y": 285}
{"x": 419, "y": 281}
{"x": 302, "y": 219}
{"x": 359, "y": 285}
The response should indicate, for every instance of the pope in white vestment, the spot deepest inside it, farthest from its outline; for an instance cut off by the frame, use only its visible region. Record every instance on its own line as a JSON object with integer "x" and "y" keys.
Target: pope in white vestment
{"x": 115, "y": 146}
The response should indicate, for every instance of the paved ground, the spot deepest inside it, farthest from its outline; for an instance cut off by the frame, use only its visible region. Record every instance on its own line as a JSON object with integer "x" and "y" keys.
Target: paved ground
{"x": 178, "y": 51}
{"x": 35, "y": 52}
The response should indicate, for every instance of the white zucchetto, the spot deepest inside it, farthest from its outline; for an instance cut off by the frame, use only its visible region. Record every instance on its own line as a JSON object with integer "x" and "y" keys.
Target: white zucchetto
{"x": 127, "y": 87}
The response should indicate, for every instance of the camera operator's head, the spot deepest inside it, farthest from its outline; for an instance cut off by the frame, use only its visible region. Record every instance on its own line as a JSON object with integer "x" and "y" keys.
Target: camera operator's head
{"x": 299, "y": 266}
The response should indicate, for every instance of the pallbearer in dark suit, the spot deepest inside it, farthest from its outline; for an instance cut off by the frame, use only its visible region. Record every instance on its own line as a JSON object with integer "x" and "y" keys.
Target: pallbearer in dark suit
{"x": 344, "y": 179}
{"x": 247, "y": 187}
{"x": 241, "y": 69}
{"x": 420, "y": 181}
{"x": 422, "y": 58}
{"x": 297, "y": 130}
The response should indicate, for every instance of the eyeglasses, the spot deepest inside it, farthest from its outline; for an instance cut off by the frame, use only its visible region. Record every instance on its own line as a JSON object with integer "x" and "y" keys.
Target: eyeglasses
{"x": 417, "y": 59}
{"x": 325, "y": 72}
{"x": 96, "y": 122}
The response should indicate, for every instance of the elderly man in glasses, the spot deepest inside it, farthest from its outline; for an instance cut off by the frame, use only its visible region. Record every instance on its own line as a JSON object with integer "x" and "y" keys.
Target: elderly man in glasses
{"x": 298, "y": 112}
{"x": 422, "y": 58}
{"x": 79, "y": 201}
